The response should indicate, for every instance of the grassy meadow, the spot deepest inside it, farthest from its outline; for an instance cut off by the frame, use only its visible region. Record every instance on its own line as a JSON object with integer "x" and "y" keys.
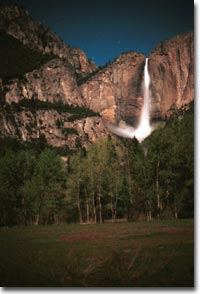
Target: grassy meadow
{"x": 134, "y": 254}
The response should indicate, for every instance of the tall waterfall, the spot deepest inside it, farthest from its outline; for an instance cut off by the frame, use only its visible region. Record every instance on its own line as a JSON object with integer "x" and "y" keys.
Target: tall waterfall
{"x": 144, "y": 129}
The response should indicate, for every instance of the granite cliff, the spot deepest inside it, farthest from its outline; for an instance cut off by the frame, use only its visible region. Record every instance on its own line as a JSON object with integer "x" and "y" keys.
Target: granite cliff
{"x": 117, "y": 91}
{"x": 39, "y": 67}
{"x": 17, "y": 22}
{"x": 171, "y": 66}
{"x": 57, "y": 92}
{"x": 52, "y": 82}
{"x": 67, "y": 129}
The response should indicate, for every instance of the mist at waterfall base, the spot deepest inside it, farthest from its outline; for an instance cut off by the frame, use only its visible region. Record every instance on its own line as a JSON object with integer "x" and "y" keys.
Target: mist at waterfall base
{"x": 144, "y": 128}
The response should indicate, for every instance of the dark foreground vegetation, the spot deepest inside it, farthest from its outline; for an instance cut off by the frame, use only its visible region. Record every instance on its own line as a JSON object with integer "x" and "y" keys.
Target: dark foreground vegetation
{"x": 144, "y": 254}
{"x": 112, "y": 179}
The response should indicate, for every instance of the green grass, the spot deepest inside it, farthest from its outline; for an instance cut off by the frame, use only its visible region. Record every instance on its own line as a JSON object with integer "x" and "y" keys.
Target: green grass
{"x": 157, "y": 254}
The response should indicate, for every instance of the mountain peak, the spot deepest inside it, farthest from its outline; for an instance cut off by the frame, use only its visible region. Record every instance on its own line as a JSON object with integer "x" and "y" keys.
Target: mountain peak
{"x": 116, "y": 91}
{"x": 12, "y": 11}
{"x": 15, "y": 21}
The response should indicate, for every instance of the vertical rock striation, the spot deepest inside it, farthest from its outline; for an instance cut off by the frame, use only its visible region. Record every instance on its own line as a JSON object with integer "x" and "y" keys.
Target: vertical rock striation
{"x": 69, "y": 78}
{"x": 171, "y": 66}
{"x": 54, "y": 82}
{"x": 116, "y": 91}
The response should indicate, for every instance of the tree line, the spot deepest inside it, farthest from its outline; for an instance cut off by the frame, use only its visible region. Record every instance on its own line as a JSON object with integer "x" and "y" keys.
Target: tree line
{"x": 114, "y": 178}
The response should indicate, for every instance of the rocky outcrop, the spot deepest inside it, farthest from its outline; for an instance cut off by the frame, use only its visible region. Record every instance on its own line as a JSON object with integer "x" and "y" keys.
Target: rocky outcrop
{"x": 55, "y": 126}
{"x": 80, "y": 62}
{"x": 53, "y": 82}
{"x": 116, "y": 91}
{"x": 171, "y": 67}
{"x": 15, "y": 21}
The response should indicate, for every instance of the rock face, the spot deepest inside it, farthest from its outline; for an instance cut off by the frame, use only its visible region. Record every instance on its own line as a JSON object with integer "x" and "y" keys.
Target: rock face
{"x": 171, "y": 67}
{"x": 116, "y": 91}
{"x": 53, "y": 82}
{"x": 59, "y": 132}
{"x": 15, "y": 21}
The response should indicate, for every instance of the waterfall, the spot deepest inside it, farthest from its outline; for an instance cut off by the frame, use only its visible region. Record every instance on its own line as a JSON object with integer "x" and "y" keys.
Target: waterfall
{"x": 144, "y": 129}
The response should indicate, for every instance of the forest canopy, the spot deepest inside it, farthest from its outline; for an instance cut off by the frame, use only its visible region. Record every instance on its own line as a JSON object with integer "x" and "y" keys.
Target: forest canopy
{"x": 114, "y": 178}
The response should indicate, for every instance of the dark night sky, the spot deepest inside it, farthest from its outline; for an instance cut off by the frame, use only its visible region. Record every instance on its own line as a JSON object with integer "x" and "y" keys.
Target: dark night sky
{"x": 104, "y": 29}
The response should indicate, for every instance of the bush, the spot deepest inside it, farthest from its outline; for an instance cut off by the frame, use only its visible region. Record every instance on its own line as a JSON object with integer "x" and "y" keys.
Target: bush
{"x": 69, "y": 131}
